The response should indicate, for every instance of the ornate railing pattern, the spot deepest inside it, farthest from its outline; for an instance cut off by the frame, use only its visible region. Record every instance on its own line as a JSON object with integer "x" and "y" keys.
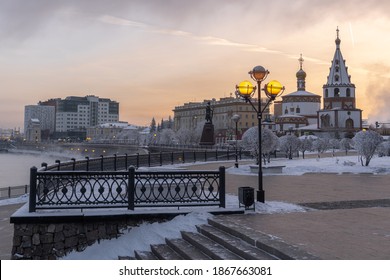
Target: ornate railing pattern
{"x": 114, "y": 189}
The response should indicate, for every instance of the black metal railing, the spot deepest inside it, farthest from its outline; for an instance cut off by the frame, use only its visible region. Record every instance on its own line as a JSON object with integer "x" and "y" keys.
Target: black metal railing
{"x": 64, "y": 189}
{"x": 123, "y": 162}
{"x": 13, "y": 191}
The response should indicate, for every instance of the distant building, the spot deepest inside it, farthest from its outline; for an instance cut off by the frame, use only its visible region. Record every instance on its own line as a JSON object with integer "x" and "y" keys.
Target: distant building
{"x": 33, "y": 131}
{"x": 192, "y": 115}
{"x": 119, "y": 133}
{"x": 299, "y": 108}
{"x": 339, "y": 114}
{"x": 45, "y": 115}
{"x": 78, "y": 113}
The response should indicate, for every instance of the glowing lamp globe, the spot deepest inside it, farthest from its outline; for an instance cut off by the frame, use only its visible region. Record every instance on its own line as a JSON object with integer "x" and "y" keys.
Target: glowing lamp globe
{"x": 245, "y": 88}
{"x": 273, "y": 88}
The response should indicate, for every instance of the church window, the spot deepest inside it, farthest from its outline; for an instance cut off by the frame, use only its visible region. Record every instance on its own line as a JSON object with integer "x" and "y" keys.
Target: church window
{"x": 286, "y": 111}
{"x": 348, "y": 92}
{"x": 336, "y": 78}
{"x": 336, "y": 92}
{"x": 326, "y": 93}
{"x": 292, "y": 109}
{"x": 337, "y": 62}
{"x": 298, "y": 110}
{"x": 337, "y": 69}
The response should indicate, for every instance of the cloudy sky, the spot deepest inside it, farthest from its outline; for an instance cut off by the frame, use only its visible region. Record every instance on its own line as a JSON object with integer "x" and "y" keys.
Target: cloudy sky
{"x": 152, "y": 55}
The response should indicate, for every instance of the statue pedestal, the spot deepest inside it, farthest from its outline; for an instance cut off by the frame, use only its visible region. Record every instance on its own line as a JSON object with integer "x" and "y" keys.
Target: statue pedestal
{"x": 207, "y": 138}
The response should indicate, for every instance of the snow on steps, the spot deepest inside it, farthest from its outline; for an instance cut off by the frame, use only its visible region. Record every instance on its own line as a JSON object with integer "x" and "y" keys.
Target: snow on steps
{"x": 223, "y": 239}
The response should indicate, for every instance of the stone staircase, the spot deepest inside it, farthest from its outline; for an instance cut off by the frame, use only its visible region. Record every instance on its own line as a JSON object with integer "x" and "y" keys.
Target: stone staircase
{"x": 222, "y": 239}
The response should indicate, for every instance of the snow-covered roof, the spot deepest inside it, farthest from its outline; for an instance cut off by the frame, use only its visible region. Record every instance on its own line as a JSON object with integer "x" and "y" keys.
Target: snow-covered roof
{"x": 301, "y": 93}
{"x": 290, "y": 116}
{"x": 308, "y": 127}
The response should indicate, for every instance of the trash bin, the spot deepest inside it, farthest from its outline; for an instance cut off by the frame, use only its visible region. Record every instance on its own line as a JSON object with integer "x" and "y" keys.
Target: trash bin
{"x": 246, "y": 197}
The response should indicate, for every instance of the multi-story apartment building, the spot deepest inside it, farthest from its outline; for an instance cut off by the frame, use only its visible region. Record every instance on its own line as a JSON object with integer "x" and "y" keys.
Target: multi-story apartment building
{"x": 192, "y": 116}
{"x": 45, "y": 115}
{"x": 77, "y": 113}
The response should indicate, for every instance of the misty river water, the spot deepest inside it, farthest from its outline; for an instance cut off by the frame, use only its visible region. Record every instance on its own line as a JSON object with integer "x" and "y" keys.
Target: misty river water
{"x": 15, "y": 167}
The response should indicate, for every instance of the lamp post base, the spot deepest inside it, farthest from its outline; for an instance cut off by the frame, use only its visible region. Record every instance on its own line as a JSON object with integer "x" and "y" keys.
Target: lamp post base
{"x": 260, "y": 196}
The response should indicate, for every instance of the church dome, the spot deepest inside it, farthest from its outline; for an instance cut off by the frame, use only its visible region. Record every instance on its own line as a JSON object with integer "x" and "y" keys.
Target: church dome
{"x": 301, "y": 74}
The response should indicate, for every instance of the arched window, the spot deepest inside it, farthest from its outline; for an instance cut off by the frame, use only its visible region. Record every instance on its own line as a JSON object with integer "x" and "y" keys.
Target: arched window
{"x": 349, "y": 123}
{"x": 348, "y": 92}
{"x": 336, "y": 78}
{"x": 336, "y": 92}
{"x": 298, "y": 110}
{"x": 286, "y": 111}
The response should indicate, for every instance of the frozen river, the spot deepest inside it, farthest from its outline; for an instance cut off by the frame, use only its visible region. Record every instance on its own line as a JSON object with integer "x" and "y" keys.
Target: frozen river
{"x": 15, "y": 167}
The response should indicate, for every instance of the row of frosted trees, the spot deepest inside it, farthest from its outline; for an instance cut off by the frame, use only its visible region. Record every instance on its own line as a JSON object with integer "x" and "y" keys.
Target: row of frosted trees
{"x": 366, "y": 143}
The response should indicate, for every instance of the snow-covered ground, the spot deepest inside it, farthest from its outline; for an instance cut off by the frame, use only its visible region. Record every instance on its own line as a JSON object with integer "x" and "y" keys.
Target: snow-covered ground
{"x": 141, "y": 237}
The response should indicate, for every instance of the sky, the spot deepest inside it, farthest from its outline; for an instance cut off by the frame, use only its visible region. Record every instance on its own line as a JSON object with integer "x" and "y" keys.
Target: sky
{"x": 153, "y": 55}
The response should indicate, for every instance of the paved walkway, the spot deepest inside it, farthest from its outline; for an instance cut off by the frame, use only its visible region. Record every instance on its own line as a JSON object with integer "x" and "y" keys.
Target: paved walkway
{"x": 358, "y": 228}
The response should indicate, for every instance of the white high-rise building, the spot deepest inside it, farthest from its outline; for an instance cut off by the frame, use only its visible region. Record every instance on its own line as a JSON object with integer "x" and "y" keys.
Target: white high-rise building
{"x": 78, "y": 113}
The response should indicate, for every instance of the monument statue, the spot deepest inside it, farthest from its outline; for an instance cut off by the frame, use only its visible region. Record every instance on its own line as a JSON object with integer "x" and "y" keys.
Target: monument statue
{"x": 207, "y": 138}
{"x": 209, "y": 113}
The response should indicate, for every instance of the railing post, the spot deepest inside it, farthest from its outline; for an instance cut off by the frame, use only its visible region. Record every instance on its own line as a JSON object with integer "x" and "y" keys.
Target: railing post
{"x": 222, "y": 194}
{"x": 33, "y": 189}
{"x": 44, "y": 164}
{"x": 101, "y": 162}
{"x": 87, "y": 167}
{"x": 73, "y": 164}
{"x": 131, "y": 188}
{"x": 59, "y": 164}
{"x": 9, "y": 192}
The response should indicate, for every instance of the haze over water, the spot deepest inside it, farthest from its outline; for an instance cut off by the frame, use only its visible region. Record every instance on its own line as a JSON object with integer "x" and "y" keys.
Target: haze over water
{"x": 15, "y": 167}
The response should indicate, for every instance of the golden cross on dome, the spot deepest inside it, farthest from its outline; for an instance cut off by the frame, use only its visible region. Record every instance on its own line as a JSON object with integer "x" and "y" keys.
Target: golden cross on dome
{"x": 301, "y": 61}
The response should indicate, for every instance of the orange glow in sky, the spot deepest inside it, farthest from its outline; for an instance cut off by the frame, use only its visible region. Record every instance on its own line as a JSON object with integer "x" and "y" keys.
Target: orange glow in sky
{"x": 153, "y": 55}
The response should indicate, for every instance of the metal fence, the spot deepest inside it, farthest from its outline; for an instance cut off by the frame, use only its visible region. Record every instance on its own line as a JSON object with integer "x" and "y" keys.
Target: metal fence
{"x": 13, "y": 191}
{"x": 114, "y": 189}
{"x": 123, "y": 162}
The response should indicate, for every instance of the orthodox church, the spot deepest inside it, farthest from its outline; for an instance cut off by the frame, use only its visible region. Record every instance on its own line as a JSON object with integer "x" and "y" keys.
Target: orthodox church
{"x": 300, "y": 110}
{"x": 339, "y": 112}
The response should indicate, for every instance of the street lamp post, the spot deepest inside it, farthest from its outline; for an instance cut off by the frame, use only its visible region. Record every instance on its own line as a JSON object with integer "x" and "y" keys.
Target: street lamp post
{"x": 236, "y": 118}
{"x": 246, "y": 90}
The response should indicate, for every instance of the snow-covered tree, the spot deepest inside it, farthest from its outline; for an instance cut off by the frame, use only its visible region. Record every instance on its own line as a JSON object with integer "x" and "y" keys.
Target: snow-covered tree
{"x": 289, "y": 144}
{"x": 334, "y": 144}
{"x": 346, "y": 144}
{"x": 166, "y": 137}
{"x": 305, "y": 145}
{"x": 250, "y": 141}
{"x": 384, "y": 149}
{"x": 184, "y": 137}
{"x": 320, "y": 145}
{"x": 366, "y": 143}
